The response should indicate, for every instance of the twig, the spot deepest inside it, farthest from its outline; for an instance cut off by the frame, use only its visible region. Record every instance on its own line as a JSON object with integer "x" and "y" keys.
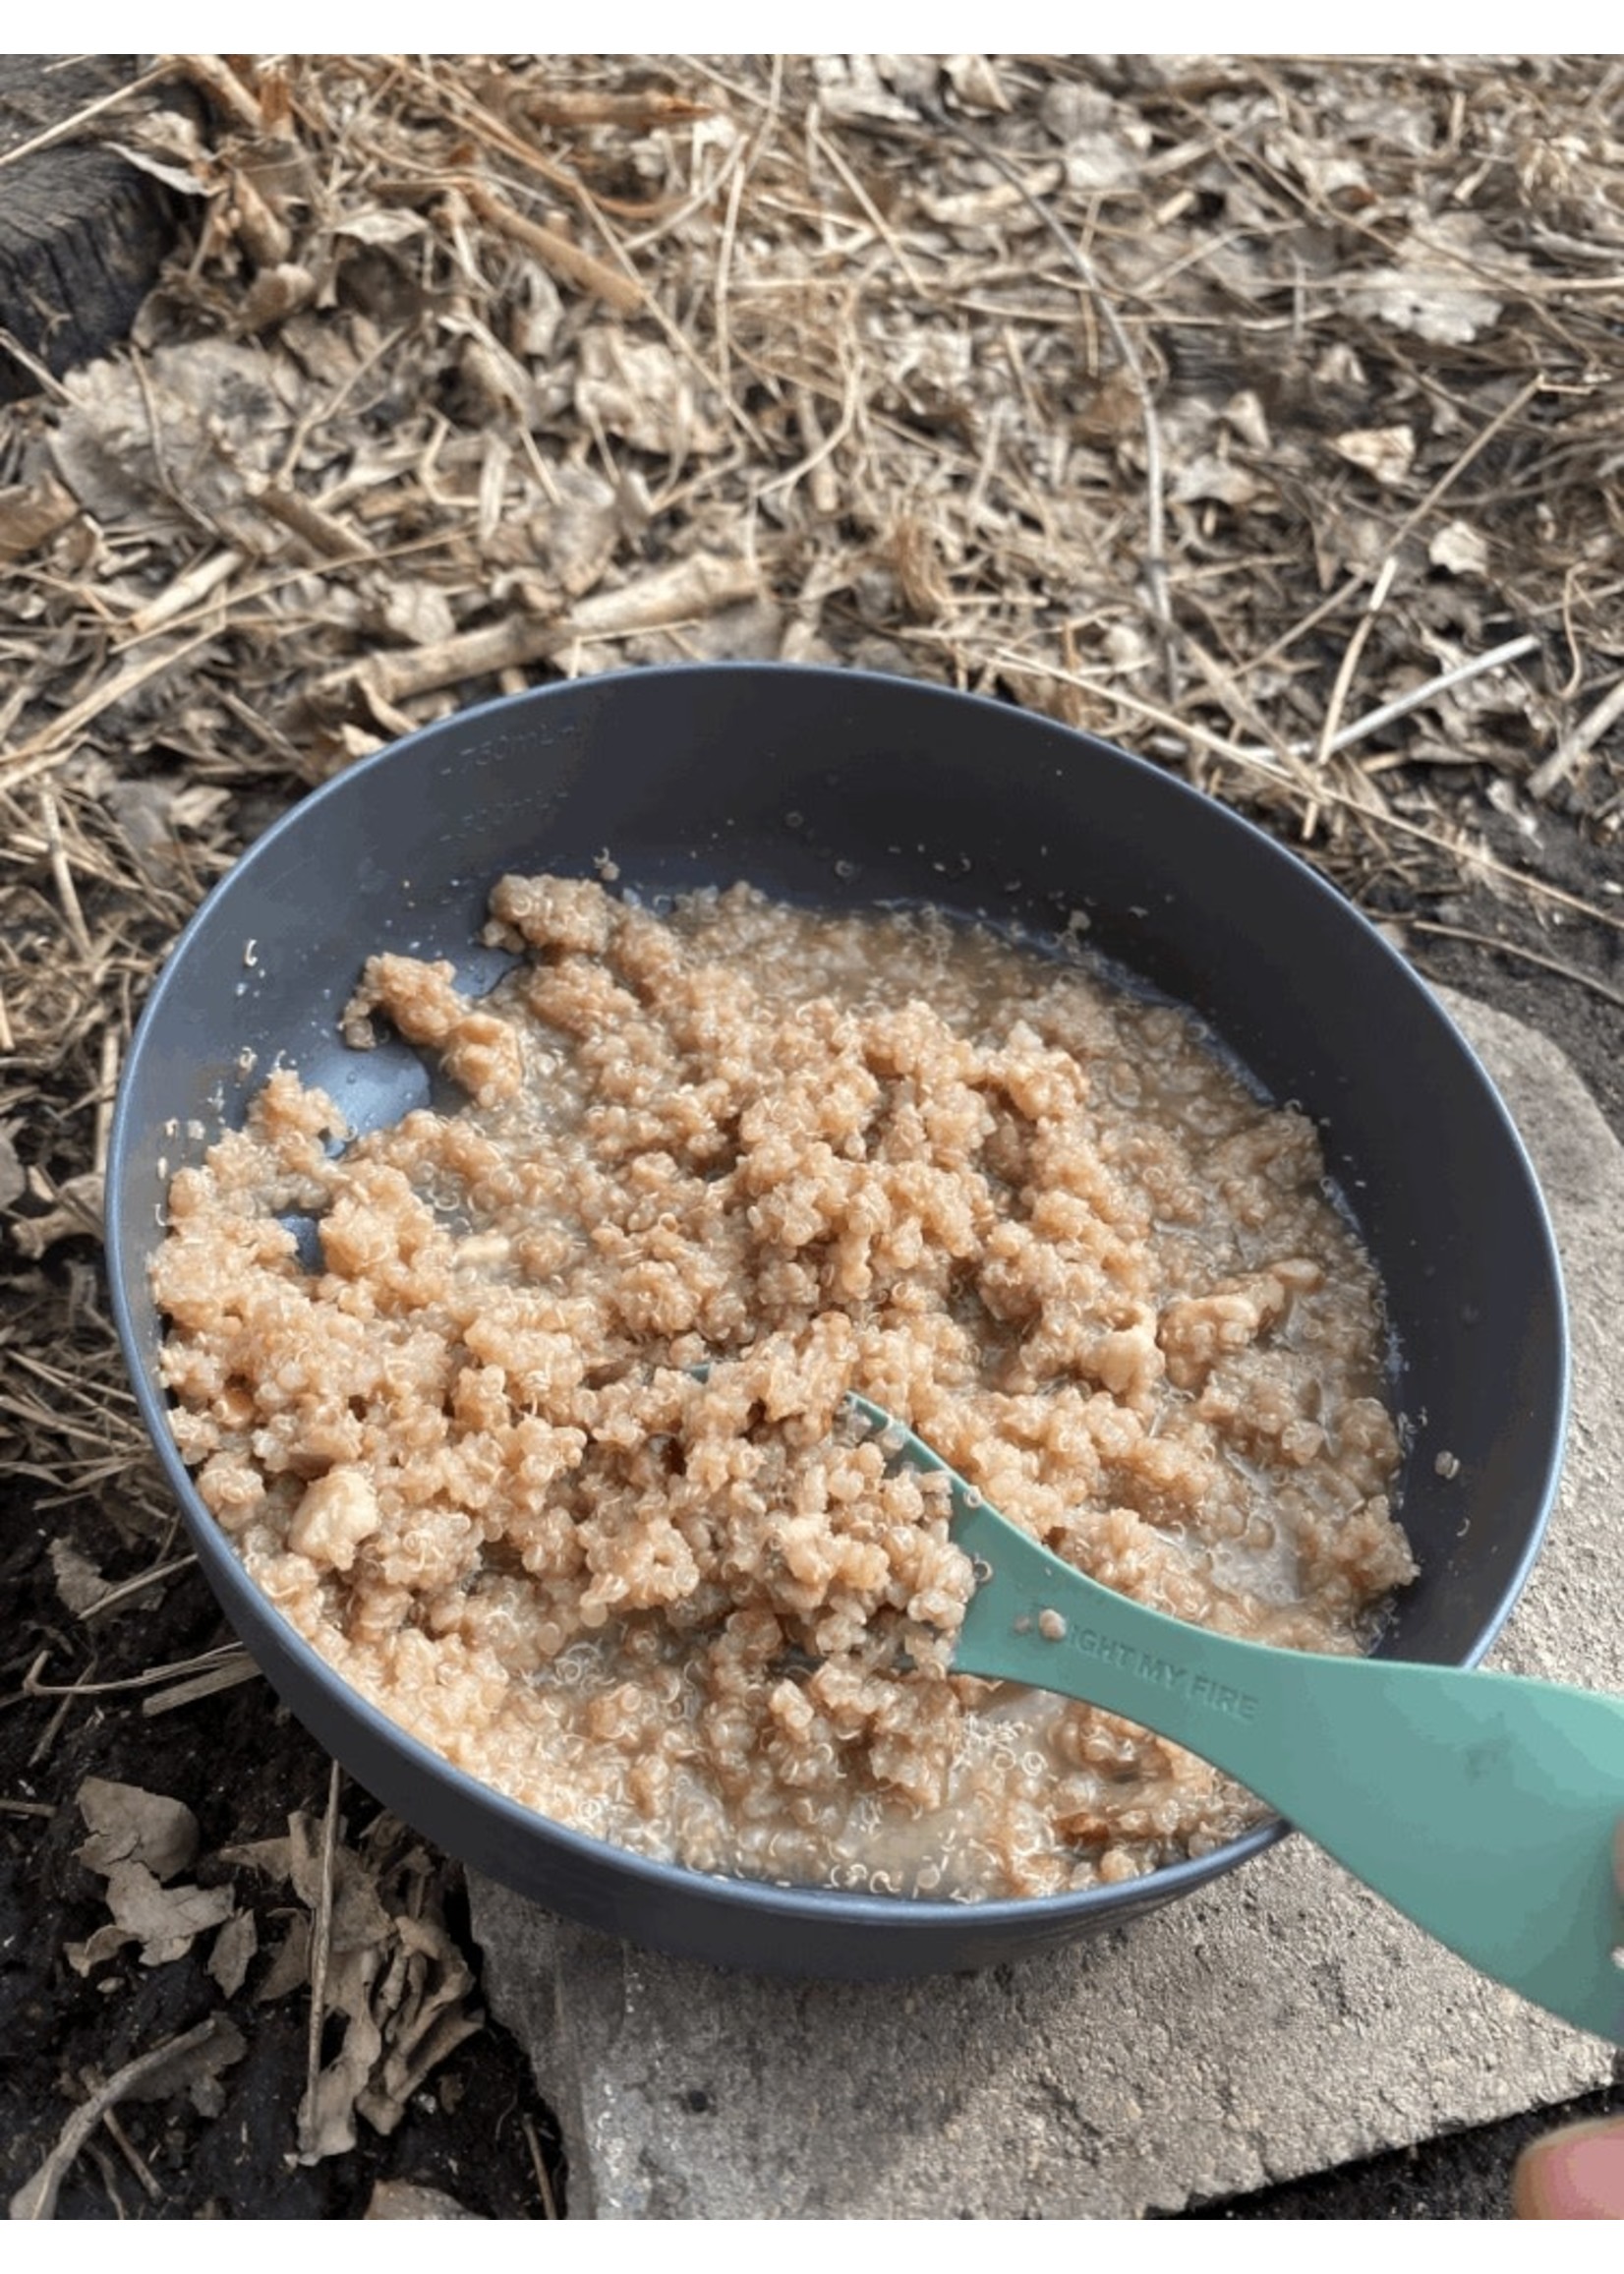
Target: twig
{"x": 1568, "y": 752}
{"x": 1241, "y": 708}
{"x": 1515, "y": 948}
{"x": 1350, "y": 659}
{"x": 1509, "y": 651}
{"x": 695, "y": 587}
{"x": 65, "y": 129}
{"x": 62, "y": 876}
{"x": 206, "y": 1685}
{"x": 140, "y": 2168}
{"x": 36, "y": 2197}
{"x": 490, "y": 129}
{"x": 566, "y": 260}
{"x": 573, "y": 106}
{"x": 723, "y": 263}
{"x": 320, "y": 1942}
{"x": 124, "y": 1587}
{"x": 41, "y": 374}
{"x": 1478, "y": 444}
{"x": 871, "y": 211}
{"x": 1456, "y": 677}
{"x": 321, "y": 532}
{"x": 192, "y": 585}
{"x": 33, "y": 1687}
{"x": 814, "y": 467}
{"x": 1255, "y": 763}
{"x": 1110, "y": 686}
{"x": 106, "y": 1090}
{"x": 216, "y": 79}
{"x": 544, "y": 2185}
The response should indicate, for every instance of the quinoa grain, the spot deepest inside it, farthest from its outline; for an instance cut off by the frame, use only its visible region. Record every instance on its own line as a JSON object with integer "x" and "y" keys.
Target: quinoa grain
{"x": 1037, "y": 1217}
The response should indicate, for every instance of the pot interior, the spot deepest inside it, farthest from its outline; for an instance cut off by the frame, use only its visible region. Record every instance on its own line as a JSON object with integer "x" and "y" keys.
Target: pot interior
{"x": 839, "y": 789}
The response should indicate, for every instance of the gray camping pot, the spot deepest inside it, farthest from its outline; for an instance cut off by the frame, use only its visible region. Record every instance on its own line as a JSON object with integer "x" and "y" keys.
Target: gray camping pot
{"x": 842, "y": 788}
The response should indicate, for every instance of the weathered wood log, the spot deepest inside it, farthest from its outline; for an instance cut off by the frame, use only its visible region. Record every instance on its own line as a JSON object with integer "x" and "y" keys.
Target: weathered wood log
{"x": 82, "y": 233}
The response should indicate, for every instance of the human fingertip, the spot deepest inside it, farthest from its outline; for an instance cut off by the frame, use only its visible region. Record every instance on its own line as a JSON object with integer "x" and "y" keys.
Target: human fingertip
{"x": 1577, "y": 2172}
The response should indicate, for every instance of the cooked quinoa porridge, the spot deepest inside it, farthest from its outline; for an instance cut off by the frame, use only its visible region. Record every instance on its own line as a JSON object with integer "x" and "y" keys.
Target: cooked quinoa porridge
{"x": 1038, "y": 1217}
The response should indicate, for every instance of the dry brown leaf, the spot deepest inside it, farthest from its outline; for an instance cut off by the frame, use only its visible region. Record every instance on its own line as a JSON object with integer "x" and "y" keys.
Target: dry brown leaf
{"x": 289, "y": 1967}
{"x": 32, "y": 511}
{"x": 170, "y": 138}
{"x": 538, "y": 312}
{"x": 233, "y": 1952}
{"x": 1244, "y": 412}
{"x": 173, "y": 440}
{"x": 181, "y": 178}
{"x": 415, "y": 611}
{"x": 496, "y": 381}
{"x": 405, "y": 2199}
{"x": 327, "y": 2109}
{"x": 1072, "y": 108}
{"x": 1110, "y": 161}
{"x": 575, "y": 539}
{"x": 164, "y": 1920}
{"x": 14, "y": 1181}
{"x": 1437, "y": 287}
{"x": 103, "y": 1943}
{"x": 397, "y": 1979}
{"x": 850, "y": 87}
{"x": 142, "y": 809}
{"x": 1383, "y": 453}
{"x": 78, "y": 1581}
{"x": 640, "y": 391}
{"x": 128, "y": 1825}
{"x": 973, "y": 208}
{"x": 1324, "y": 169}
{"x": 382, "y": 225}
{"x": 1461, "y": 548}
{"x": 145, "y": 810}
{"x": 274, "y": 1857}
{"x": 360, "y": 1921}
{"x": 1220, "y": 479}
{"x": 424, "y": 1996}
{"x": 975, "y": 80}
{"x": 279, "y": 291}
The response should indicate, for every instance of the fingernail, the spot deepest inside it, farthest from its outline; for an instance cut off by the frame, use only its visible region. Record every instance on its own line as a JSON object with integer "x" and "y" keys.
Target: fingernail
{"x": 1576, "y": 2174}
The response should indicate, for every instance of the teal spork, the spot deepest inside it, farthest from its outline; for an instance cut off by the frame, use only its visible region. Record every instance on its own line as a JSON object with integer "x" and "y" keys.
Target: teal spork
{"x": 1482, "y": 1805}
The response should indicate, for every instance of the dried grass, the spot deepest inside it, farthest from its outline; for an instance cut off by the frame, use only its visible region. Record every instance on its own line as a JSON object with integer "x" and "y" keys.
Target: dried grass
{"x": 1261, "y": 414}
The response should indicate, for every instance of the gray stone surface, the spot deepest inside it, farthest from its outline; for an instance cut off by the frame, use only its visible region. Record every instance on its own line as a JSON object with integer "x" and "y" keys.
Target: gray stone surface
{"x": 1280, "y": 2022}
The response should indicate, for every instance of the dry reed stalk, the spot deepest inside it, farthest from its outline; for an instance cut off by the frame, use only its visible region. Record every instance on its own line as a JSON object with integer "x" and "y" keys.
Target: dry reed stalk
{"x": 1565, "y": 758}
{"x": 322, "y": 531}
{"x": 320, "y": 1955}
{"x": 215, "y": 76}
{"x": 71, "y": 129}
{"x": 687, "y": 590}
{"x": 558, "y": 254}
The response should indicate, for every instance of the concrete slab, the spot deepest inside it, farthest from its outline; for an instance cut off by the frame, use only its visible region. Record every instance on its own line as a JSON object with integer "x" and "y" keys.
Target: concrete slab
{"x": 1281, "y": 2022}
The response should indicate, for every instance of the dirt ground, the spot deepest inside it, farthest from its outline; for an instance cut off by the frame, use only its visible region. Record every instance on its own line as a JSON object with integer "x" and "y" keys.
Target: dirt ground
{"x": 1261, "y": 416}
